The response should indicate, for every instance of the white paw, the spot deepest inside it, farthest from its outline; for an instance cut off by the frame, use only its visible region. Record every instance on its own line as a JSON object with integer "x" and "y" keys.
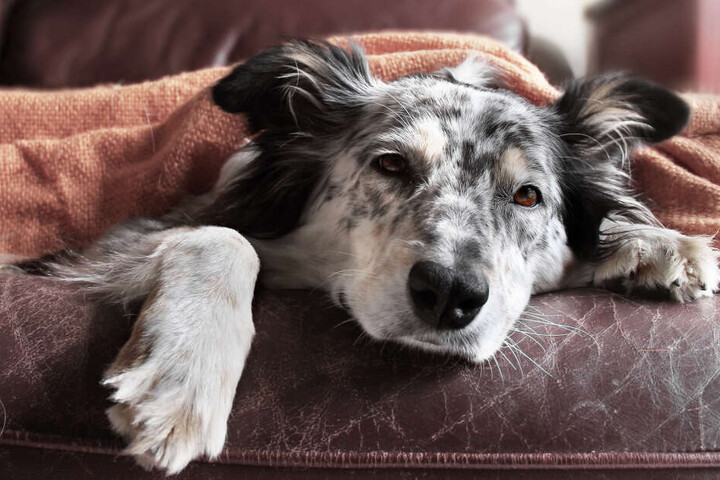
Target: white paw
{"x": 174, "y": 380}
{"x": 664, "y": 260}
{"x": 167, "y": 418}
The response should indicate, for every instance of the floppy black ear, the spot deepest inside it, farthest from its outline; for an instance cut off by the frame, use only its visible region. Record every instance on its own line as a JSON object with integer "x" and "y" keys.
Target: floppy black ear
{"x": 600, "y": 120}
{"x": 305, "y": 84}
{"x": 295, "y": 94}
{"x": 611, "y": 109}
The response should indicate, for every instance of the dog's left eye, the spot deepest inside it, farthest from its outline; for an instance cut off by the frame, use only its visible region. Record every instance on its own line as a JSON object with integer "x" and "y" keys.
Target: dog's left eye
{"x": 391, "y": 163}
{"x": 527, "y": 196}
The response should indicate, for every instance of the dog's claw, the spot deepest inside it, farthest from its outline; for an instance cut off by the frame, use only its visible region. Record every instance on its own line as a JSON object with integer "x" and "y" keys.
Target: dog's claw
{"x": 676, "y": 283}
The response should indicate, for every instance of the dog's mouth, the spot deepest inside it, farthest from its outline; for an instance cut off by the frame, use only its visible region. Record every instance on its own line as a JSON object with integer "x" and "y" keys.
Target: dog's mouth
{"x": 423, "y": 343}
{"x": 438, "y": 346}
{"x": 470, "y": 344}
{"x": 408, "y": 330}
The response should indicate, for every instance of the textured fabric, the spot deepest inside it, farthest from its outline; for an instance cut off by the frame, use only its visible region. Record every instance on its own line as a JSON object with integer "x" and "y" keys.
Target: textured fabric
{"x": 626, "y": 383}
{"x": 681, "y": 177}
{"x": 76, "y": 162}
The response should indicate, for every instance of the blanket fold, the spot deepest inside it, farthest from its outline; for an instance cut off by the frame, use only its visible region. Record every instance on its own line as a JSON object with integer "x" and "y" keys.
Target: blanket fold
{"x": 75, "y": 162}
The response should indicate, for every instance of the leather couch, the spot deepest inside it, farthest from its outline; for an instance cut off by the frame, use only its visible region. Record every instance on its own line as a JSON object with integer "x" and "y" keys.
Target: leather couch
{"x": 607, "y": 387}
{"x": 75, "y": 43}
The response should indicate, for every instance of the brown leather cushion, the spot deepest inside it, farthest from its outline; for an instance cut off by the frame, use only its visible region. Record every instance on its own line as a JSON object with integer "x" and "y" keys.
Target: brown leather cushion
{"x": 83, "y": 42}
{"x": 628, "y": 382}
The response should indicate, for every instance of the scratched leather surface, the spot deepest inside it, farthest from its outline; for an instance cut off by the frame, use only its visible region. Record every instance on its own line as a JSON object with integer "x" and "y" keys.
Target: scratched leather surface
{"x": 624, "y": 375}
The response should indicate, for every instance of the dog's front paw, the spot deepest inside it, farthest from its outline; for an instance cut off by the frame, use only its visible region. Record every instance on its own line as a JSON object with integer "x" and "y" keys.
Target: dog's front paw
{"x": 666, "y": 261}
{"x": 167, "y": 417}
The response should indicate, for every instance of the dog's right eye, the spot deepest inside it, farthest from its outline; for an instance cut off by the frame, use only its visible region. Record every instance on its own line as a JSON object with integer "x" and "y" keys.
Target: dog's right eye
{"x": 391, "y": 163}
{"x": 527, "y": 196}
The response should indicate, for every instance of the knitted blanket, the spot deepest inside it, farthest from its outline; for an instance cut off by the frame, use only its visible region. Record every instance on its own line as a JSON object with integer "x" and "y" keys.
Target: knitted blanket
{"x": 73, "y": 163}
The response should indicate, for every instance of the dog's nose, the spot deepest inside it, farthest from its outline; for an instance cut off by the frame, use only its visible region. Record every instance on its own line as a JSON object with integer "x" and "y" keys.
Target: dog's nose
{"x": 446, "y": 298}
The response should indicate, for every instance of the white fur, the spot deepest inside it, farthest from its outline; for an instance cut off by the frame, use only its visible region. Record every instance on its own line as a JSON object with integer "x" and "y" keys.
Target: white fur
{"x": 233, "y": 167}
{"x": 174, "y": 398}
{"x": 474, "y": 72}
{"x": 652, "y": 258}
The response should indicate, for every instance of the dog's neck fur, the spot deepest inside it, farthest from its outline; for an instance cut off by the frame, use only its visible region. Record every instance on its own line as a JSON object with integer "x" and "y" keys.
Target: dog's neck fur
{"x": 305, "y": 257}
{"x": 302, "y": 258}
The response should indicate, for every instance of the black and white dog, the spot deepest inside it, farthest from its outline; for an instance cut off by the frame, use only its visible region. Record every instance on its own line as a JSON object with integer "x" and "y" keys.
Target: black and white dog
{"x": 431, "y": 207}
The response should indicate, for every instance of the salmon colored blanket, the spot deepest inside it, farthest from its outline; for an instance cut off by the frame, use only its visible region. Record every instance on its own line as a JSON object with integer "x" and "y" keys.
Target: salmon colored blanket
{"x": 73, "y": 163}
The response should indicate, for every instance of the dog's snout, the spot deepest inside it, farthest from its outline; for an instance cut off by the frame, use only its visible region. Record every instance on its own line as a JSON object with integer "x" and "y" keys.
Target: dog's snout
{"x": 446, "y": 298}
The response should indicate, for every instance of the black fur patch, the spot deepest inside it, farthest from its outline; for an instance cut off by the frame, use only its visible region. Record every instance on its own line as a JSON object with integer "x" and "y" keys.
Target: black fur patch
{"x": 295, "y": 93}
{"x": 312, "y": 85}
{"x": 593, "y": 155}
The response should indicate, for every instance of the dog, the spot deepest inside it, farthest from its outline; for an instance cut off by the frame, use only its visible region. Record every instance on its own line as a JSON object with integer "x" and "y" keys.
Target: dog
{"x": 430, "y": 207}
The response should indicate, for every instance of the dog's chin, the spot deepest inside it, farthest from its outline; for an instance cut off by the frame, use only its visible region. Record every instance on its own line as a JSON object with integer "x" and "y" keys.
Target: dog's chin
{"x": 404, "y": 330}
{"x": 474, "y": 353}
{"x": 438, "y": 348}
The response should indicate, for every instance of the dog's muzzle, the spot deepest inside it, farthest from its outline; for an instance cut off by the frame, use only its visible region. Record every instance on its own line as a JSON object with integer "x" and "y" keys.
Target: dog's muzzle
{"x": 446, "y": 298}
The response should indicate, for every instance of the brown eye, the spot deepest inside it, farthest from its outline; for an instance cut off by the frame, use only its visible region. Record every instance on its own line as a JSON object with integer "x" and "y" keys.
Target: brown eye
{"x": 527, "y": 196}
{"x": 391, "y": 163}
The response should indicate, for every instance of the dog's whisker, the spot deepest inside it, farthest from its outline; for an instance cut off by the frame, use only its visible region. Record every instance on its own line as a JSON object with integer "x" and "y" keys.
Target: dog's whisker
{"x": 540, "y": 315}
{"x": 497, "y": 364}
{"x": 532, "y": 338}
{"x": 512, "y": 365}
{"x": 522, "y": 353}
{"x": 490, "y": 366}
{"x": 510, "y": 343}
{"x": 568, "y": 328}
{"x": 542, "y": 335}
{"x": 543, "y": 321}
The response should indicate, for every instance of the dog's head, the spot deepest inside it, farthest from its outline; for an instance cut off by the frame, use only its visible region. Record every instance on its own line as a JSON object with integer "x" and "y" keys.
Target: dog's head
{"x": 433, "y": 205}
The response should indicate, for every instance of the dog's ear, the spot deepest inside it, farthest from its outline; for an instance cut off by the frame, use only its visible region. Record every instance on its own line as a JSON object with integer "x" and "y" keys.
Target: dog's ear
{"x": 600, "y": 120}
{"x": 614, "y": 109}
{"x": 474, "y": 72}
{"x": 294, "y": 93}
{"x": 304, "y": 84}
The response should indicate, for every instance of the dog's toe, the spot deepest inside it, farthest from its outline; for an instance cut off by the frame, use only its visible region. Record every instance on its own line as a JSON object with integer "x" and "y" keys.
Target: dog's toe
{"x": 166, "y": 423}
{"x": 682, "y": 267}
{"x": 700, "y": 274}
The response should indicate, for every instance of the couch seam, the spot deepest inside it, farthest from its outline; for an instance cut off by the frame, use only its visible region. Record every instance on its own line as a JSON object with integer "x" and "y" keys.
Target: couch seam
{"x": 397, "y": 460}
